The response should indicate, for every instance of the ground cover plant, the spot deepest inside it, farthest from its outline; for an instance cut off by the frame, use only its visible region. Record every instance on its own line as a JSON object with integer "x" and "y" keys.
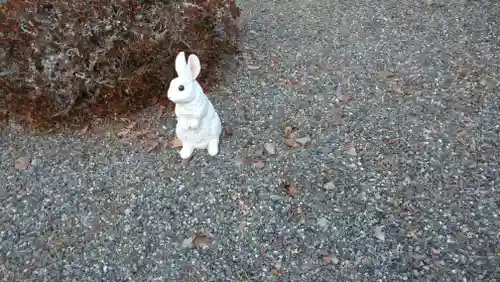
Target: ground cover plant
{"x": 67, "y": 62}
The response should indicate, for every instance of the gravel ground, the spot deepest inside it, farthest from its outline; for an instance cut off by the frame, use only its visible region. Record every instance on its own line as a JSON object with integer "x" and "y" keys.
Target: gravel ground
{"x": 399, "y": 181}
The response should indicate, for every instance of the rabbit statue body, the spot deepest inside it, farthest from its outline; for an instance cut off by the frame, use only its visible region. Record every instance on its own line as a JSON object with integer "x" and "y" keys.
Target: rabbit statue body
{"x": 198, "y": 124}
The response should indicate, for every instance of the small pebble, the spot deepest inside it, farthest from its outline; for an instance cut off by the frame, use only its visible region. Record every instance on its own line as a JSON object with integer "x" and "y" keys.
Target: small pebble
{"x": 329, "y": 186}
{"x": 270, "y": 148}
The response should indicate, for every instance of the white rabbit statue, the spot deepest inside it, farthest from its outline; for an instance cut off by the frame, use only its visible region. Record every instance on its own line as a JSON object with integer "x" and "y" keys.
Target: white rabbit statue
{"x": 198, "y": 124}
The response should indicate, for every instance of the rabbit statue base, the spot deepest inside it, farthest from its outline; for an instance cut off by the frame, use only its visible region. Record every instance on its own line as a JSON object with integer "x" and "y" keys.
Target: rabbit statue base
{"x": 198, "y": 124}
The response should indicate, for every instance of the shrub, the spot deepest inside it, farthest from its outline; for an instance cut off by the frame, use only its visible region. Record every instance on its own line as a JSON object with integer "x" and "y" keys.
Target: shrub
{"x": 66, "y": 62}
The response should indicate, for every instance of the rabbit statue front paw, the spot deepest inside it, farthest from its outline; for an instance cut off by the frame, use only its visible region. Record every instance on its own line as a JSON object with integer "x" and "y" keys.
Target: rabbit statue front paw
{"x": 186, "y": 151}
{"x": 213, "y": 147}
{"x": 189, "y": 124}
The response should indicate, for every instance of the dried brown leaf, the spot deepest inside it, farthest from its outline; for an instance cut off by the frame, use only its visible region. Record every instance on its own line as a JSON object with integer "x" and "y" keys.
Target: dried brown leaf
{"x": 290, "y": 81}
{"x": 288, "y": 131}
{"x": 201, "y": 241}
{"x": 292, "y": 191}
{"x": 290, "y": 142}
{"x": 386, "y": 74}
{"x": 83, "y": 130}
{"x": 394, "y": 141}
{"x": 144, "y": 134}
{"x": 345, "y": 98}
{"x": 397, "y": 90}
{"x": 276, "y": 272}
{"x": 227, "y": 130}
{"x": 289, "y": 188}
{"x": 295, "y": 210}
{"x": 412, "y": 234}
{"x": 159, "y": 112}
{"x": 22, "y": 163}
{"x": 327, "y": 259}
{"x": 351, "y": 150}
{"x": 276, "y": 269}
{"x": 147, "y": 134}
{"x": 291, "y": 136}
{"x": 28, "y": 117}
{"x": 123, "y": 132}
{"x": 339, "y": 117}
{"x": 262, "y": 252}
{"x": 163, "y": 145}
{"x": 33, "y": 94}
{"x": 150, "y": 145}
{"x": 131, "y": 125}
{"x": 174, "y": 143}
{"x": 257, "y": 162}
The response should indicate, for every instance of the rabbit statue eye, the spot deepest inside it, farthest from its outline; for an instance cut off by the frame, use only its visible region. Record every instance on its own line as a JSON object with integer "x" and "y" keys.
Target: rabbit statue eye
{"x": 181, "y": 87}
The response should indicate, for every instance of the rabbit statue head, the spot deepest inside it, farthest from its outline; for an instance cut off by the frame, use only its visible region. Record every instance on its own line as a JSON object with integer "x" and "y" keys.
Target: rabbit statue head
{"x": 184, "y": 88}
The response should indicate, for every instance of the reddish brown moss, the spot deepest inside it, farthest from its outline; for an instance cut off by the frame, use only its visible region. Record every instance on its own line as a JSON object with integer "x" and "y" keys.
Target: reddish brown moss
{"x": 69, "y": 62}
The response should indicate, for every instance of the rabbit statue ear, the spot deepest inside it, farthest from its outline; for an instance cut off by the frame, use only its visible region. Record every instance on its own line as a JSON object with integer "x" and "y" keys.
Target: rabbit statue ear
{"x": 180, "y": 63}
{"x": 194, "y": 65}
